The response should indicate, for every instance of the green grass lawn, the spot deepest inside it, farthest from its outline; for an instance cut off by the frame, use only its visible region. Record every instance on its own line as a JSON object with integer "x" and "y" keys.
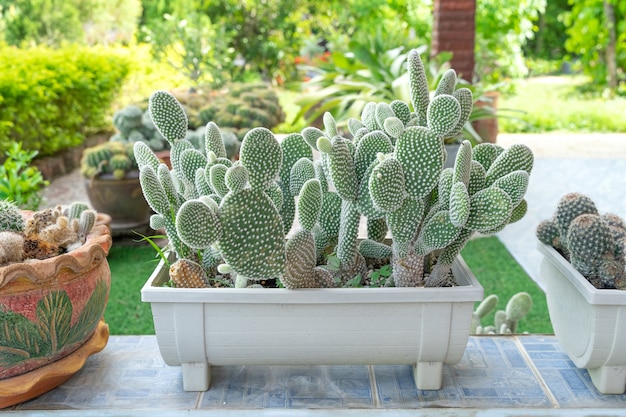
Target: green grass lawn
{"x": 488, "y": 259}
{"x": 130, "y": 268}
{"x": 500, "y": 274}
{"x": 556, "y": 103}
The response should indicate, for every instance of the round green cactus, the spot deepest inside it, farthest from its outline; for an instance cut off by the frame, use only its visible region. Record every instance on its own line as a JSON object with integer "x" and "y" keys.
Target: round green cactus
{"x": 589, "y": 239}
{"x": 569, "y": 207}
{"x": 10, "y": 217}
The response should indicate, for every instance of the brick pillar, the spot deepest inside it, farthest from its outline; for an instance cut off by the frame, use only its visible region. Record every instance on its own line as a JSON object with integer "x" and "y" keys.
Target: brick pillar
{"x": 453, "y": 30}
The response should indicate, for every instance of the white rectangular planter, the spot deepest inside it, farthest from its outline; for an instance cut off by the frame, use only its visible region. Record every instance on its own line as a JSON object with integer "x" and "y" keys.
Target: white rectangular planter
{"x": 589, "y": 323}
{"x": 425, "y": 327}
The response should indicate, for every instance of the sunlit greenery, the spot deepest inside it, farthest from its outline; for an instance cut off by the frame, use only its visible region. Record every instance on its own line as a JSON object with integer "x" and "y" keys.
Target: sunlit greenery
{"x": 559, "y": 104}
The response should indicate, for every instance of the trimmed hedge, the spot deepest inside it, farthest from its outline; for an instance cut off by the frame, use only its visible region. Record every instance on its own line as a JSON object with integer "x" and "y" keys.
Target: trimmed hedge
{"x": 49, "y": 98}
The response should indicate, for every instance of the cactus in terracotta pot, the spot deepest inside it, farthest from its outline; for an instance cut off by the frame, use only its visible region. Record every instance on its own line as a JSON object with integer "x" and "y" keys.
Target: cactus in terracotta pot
{"x": 390, "y": 171}
{"x": 114, "y": 158}
{"x": 593, "y": 243}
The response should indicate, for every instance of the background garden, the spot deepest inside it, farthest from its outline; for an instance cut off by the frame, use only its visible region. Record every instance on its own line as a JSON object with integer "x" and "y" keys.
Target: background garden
{"x": 66, "y": 67}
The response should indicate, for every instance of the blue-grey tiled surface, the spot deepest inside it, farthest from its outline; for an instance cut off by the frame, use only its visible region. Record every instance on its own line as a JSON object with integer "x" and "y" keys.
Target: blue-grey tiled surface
{"x": 515, "y": 372}
{"x": 570, "y": 386}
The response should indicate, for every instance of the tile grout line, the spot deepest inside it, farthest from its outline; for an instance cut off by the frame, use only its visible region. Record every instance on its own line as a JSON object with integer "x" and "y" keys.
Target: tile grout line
{"x": 536, "y": 373}
{"x": 372, "y": 375}
{"x": 199, "y": 398}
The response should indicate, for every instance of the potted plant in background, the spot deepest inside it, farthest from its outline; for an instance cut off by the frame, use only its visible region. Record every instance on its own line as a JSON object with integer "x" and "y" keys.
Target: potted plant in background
{"x": 134, "y": 124}
{"x": 54, "y": 285}
{"x": 232, "y": 224}
{"x": 112, "y": 185}
{"x": 584, "y": 271}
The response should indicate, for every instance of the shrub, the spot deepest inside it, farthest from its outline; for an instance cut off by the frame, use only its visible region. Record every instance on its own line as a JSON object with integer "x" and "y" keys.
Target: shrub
{"x": 50, "y": 98}
{"x": 242, "y": 107}
{"x": 20, "y": 181}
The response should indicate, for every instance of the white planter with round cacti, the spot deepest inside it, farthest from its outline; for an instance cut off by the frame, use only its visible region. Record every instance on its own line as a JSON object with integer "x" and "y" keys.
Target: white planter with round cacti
{"x": 236, "y": 219}
{"x": 588, "y": 312}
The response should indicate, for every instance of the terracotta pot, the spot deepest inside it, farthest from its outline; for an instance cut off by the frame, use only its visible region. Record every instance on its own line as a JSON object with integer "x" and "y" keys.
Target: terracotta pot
{"x": 121, "y": 199}
{"x": 50, "y": 308}
{"x": 164, "y": 156}
{"x": 487, "y": 128}
{"x": 52, "y": 305}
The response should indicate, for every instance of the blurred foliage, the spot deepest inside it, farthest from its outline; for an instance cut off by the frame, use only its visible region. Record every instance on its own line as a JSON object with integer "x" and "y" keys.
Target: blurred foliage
{"x": 549, "y": 40}
{"x": 55, "y": 22}
{"x": 242, "y": 107}
{"x": 20, "y": 181}
{"x": 557, "y": 104}
{"x": 194, "y": 46}
{"x": 373, "y": 68}
{"x": 369, "y": 69}
{"x": 588, "y": 37}
{"x": 502, "y": 28}
{"x": 49, "y": 99}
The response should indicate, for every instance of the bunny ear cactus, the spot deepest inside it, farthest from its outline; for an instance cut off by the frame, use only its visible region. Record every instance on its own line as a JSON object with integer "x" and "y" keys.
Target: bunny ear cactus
{"x": 168, "y": 116}
{"x": 391, "y": 172}
{"x": 252, "y": 242}
{"x": 395, "y": 174}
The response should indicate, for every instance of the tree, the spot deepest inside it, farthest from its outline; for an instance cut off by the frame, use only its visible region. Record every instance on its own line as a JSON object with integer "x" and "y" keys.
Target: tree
{"x": 52, "y": 22}
{"x": 589, "y": 27}
{"x": 194, "y": 46}
{"x": 48, "y": 22}
{"x": 502, "y": 29}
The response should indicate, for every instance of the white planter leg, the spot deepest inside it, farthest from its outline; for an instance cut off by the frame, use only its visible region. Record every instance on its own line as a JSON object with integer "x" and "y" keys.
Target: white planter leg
{"x": 189, "y": 319}
{"x": 609, "y": 379}
{"x": 196, "y": 376}
{"x": 428, "y": 375}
